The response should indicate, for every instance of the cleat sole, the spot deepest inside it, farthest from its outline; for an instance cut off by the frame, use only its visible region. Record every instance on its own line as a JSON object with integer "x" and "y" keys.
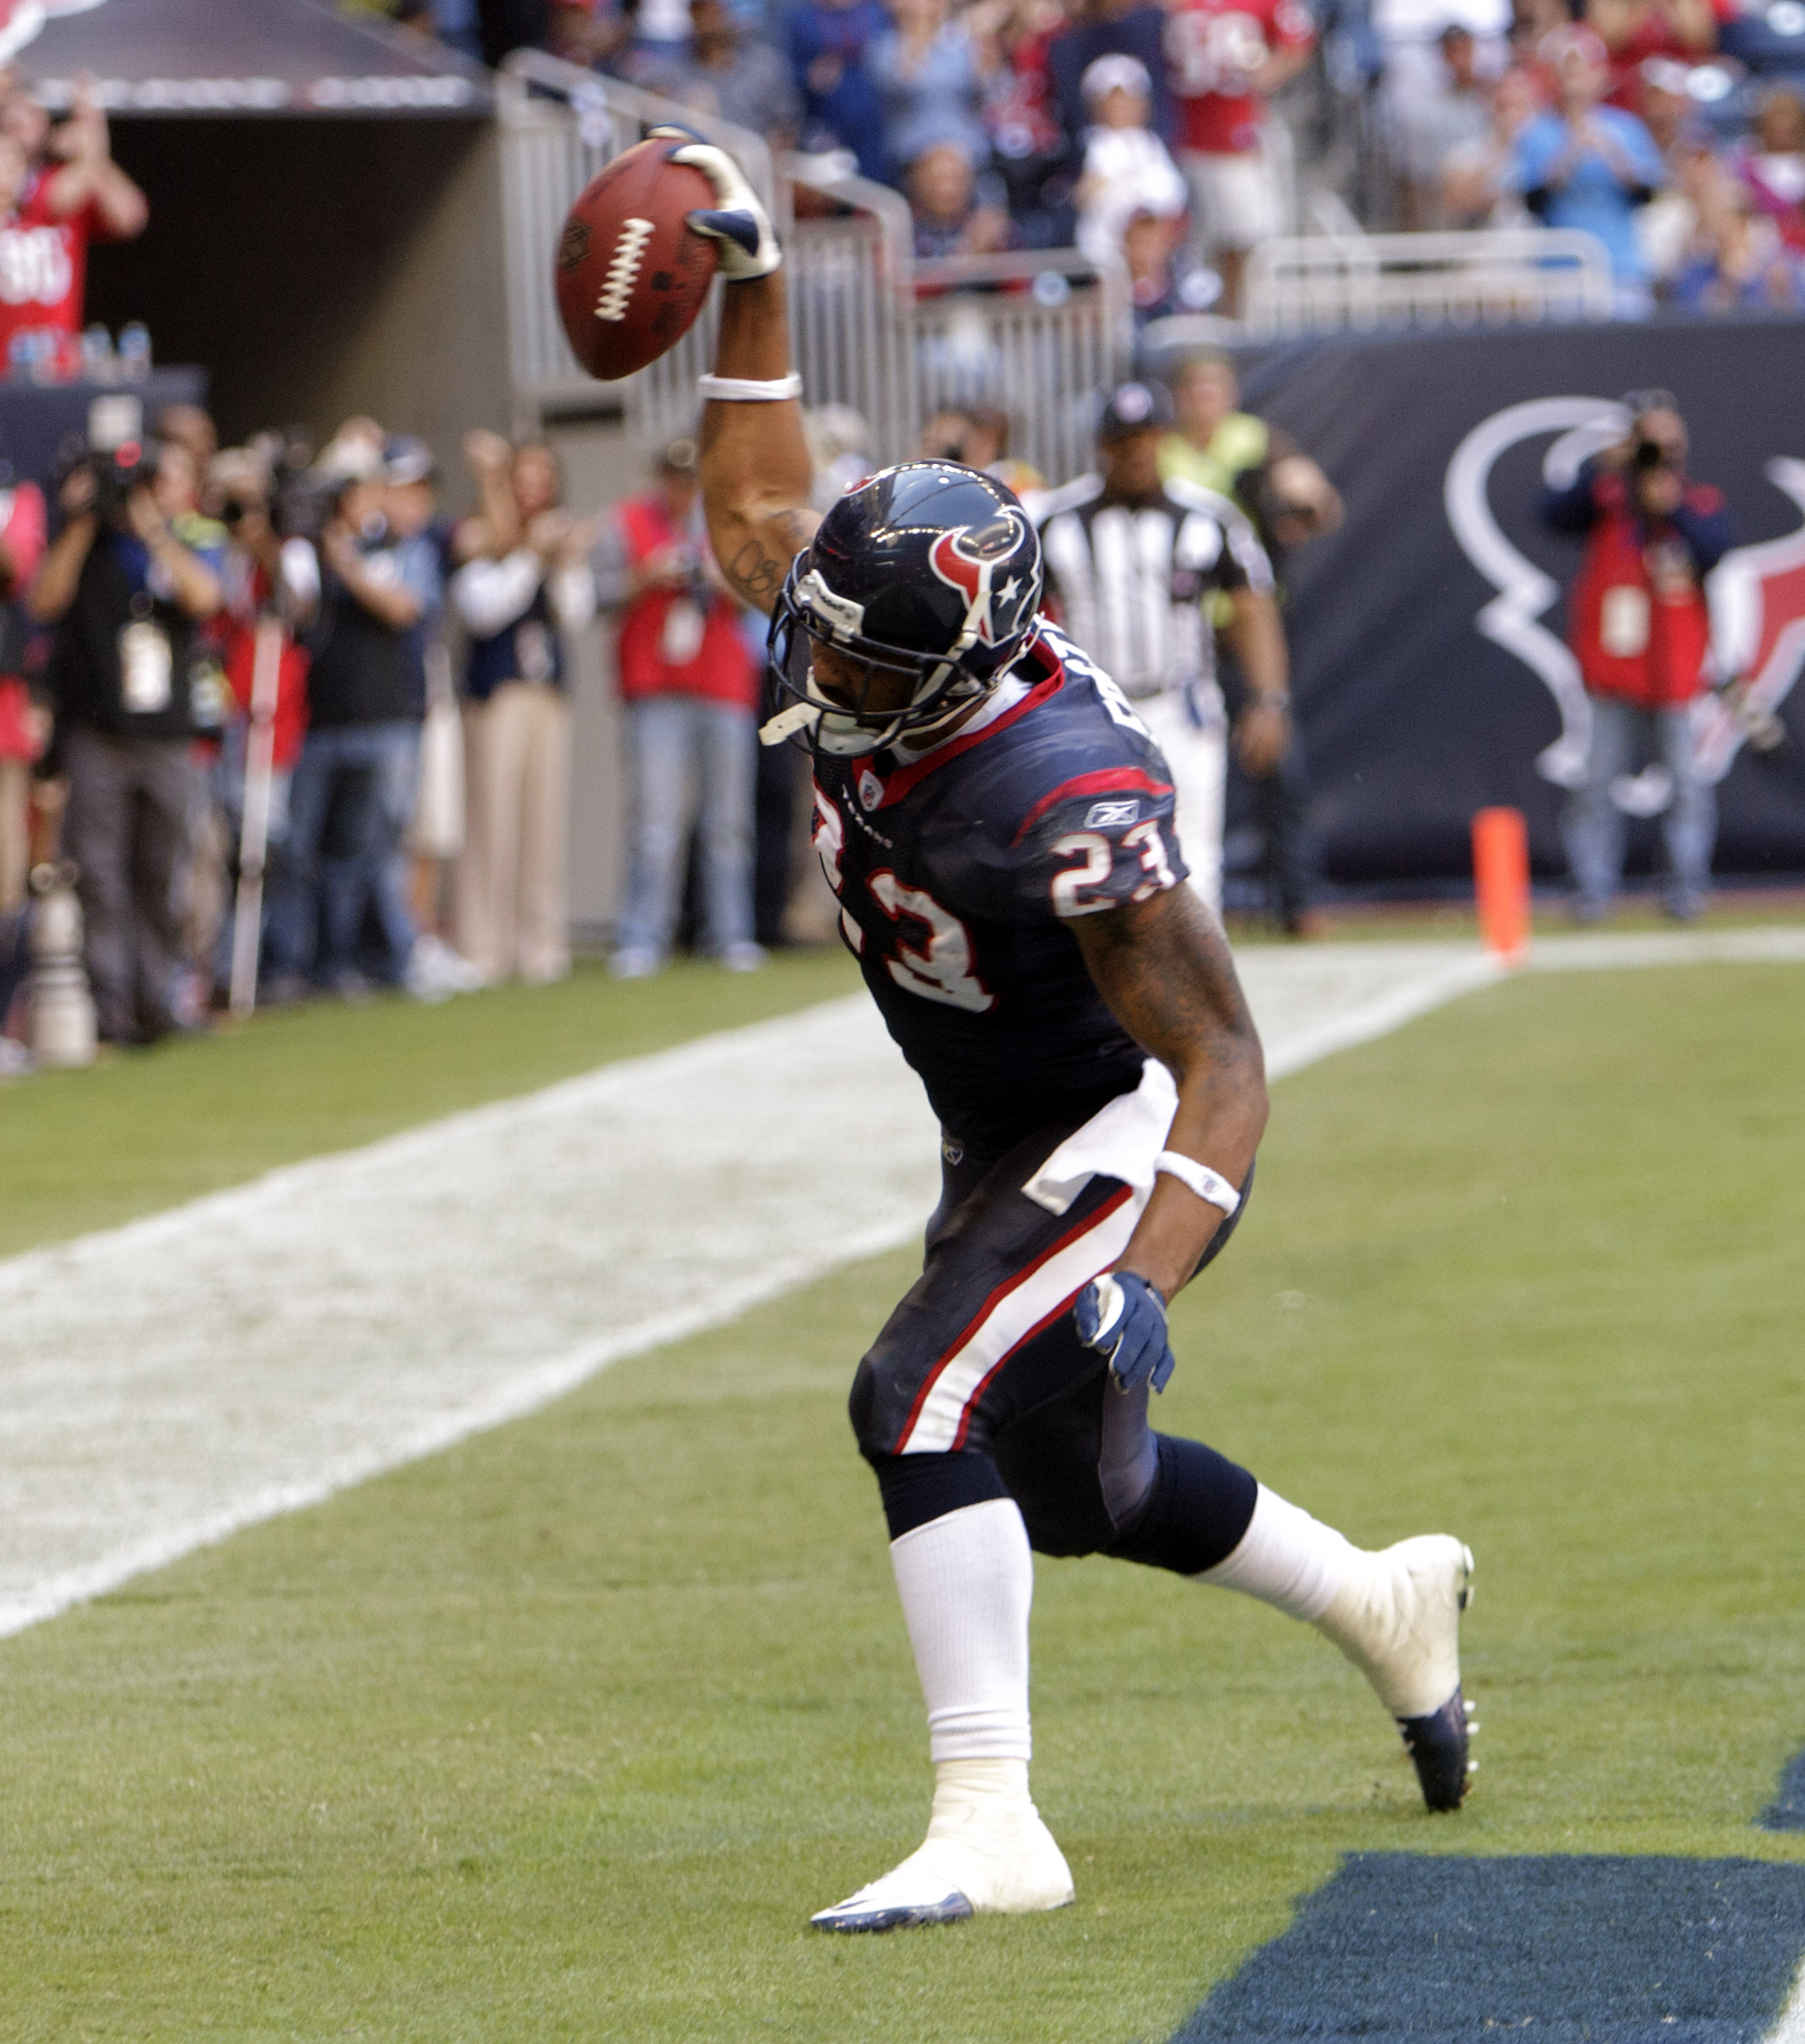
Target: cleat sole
{"x": 849, "y": 1921}
{"x": 1437, "y": 1745}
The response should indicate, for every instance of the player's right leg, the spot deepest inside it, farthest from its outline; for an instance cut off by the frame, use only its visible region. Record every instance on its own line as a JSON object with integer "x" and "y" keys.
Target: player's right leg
{"x": 1000, "y": 1267}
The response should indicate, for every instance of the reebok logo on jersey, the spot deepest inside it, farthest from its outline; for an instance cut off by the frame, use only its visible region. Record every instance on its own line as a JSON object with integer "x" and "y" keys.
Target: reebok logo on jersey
{"x": 1111, "y": 816}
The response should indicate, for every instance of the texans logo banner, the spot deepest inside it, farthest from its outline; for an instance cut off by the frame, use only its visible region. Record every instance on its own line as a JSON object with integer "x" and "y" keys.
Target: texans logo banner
{"x": 1428, "y": 636}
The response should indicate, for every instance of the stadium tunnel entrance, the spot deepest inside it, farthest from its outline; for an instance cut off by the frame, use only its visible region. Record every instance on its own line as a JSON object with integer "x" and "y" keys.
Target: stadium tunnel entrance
{"x": 321, "y": 189}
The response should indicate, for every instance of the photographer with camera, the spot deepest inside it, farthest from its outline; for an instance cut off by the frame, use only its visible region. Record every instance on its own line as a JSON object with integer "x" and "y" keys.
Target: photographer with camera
{"x": 1640, "y": 629}
{"x": 352, "y": 795}
{"x": 126, "y": 595}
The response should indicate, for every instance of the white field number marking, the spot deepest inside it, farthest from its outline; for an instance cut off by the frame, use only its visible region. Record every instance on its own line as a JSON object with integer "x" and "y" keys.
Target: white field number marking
{"x": 629, "y": 253}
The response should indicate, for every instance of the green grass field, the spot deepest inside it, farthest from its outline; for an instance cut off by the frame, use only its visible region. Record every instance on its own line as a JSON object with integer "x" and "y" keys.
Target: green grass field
{"x": 563, "y": 1734}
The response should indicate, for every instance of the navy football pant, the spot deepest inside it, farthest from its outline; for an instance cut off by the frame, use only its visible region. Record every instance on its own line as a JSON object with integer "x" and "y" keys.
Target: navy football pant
{"x": 978, "y": 1386}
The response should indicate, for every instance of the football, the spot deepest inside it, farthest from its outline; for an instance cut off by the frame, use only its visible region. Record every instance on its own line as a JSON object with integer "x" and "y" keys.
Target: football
{"x": 631, "y": 277}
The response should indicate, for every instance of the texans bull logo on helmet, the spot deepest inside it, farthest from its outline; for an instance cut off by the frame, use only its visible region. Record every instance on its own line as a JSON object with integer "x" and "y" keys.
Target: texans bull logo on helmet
{"x": 967, "y": 560}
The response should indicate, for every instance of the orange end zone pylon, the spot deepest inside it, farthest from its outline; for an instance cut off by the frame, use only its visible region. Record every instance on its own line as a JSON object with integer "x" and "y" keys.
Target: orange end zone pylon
{"x": 1500, "y": 873}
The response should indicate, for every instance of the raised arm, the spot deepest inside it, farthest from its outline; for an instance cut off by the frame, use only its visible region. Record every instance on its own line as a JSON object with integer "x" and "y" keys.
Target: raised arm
{"x": 756, "y": 473}
{"x": 1164, "y": 968}
{"x": 756, "y": 467}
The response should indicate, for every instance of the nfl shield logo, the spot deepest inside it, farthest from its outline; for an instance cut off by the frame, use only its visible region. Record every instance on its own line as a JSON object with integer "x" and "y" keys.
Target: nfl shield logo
{"x": 870, "y": 789}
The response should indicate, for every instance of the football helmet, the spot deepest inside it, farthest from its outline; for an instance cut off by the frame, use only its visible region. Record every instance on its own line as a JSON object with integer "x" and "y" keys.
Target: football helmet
{"x": 925, "y": 581}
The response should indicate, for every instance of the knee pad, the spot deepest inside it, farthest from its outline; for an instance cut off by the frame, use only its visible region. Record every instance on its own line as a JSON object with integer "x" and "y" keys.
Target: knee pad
{"x": 1195, "y": 1514}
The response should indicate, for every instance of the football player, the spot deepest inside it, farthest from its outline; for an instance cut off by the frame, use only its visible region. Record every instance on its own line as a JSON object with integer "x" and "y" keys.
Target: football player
{"x": 997, "y": 825}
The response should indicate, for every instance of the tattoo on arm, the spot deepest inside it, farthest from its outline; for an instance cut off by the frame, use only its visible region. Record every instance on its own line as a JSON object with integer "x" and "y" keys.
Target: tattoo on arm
{"x": 758, "y": 574}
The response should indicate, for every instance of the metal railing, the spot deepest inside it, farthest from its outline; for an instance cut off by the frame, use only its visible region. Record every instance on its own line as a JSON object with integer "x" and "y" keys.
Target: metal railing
{"x": 1321, "y": 283}
{"x": 1037, "y": 335}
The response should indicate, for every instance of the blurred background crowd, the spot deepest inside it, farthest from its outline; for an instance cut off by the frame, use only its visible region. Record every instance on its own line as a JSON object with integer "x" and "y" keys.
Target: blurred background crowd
{"x": 1170, "y": 137}
{"x": 391, "y": 683}
{"x": 294, "y": 722}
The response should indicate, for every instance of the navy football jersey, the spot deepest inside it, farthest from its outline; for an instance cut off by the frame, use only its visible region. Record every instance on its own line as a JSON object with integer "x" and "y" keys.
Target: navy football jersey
{"x": 958, "y": 872}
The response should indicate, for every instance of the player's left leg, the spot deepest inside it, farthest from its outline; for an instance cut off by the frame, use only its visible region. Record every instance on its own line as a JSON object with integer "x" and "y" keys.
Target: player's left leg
{"x": 1092, "y": 1476}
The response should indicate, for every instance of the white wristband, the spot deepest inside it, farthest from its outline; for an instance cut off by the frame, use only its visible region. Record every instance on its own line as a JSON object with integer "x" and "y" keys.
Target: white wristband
{"x": 1207, "y": 1185}
{"x": 748, "y": 390}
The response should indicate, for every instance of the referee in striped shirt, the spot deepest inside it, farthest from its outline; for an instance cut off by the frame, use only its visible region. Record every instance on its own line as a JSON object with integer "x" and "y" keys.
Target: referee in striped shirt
{"x": 1132, "y": 563}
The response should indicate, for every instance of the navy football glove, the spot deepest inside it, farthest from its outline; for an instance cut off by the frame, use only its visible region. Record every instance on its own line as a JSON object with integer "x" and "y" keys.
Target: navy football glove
{"x": 1124, "y": 1317}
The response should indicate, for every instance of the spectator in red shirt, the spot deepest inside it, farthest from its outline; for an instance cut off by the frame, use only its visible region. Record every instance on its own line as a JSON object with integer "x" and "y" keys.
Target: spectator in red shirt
{"x": 50, "y": 210}
{"x": 23, "y": 725}
{"x": 1640, "y": 629}
{"x": 1226, "y": 57}
{"x": 691, "y": 689}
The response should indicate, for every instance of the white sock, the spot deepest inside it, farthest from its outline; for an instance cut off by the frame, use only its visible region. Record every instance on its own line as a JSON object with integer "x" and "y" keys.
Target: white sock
{"x": 1286, "y": 1558}
{"x": 966, "y": 1581}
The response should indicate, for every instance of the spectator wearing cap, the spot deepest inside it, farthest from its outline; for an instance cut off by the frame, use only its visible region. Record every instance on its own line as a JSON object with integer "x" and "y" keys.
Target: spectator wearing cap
{"x": 1110, "y": 28}
{"x": 1127, "y": 169}
{"x": 354, "y": 785}
{"x": 690, "y": 685}
{"x": 530, "y": 582}
{"x": 1215, "y": 445}
{"x": 1227, "y": 58}
{"x": 1586, "y": 165}
{"x": 1134, "y": 565}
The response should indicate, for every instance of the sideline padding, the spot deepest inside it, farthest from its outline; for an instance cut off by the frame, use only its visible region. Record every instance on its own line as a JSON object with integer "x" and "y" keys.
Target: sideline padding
{"x": 1399, "y": 1948}
{"x": 1786, "y": 1812}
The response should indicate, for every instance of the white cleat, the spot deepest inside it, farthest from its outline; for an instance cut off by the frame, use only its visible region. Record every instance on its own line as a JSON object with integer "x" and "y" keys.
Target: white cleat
{"x": 985, "y": 1854}
{"x": 1397, "y": 1619}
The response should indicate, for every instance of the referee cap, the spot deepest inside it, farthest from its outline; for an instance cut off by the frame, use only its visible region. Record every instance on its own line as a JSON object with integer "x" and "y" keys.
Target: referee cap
{"x": 1135, "y": 408}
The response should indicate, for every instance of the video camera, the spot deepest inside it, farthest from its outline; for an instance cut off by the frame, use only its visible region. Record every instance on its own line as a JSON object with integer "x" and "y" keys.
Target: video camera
{"x": 116, "y": 471}
{"x": 301, "y": 501}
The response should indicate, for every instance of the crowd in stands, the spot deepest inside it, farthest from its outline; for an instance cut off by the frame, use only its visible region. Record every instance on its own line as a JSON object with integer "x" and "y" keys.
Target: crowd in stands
{"x": 406, "y": 676}
{"x": 1144, "y": 132}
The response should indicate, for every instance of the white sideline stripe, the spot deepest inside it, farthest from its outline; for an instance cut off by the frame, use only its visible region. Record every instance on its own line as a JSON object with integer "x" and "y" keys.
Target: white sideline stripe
{"x": 937, "y": 1425}
{"x": 1604, "y": 952}
{"x": 166, "y": 1383}
{"x": 1791, "y": 2027}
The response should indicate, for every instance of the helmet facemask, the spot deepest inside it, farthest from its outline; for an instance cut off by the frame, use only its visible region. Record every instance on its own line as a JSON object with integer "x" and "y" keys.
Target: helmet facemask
{"x": 843, "y": 723}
